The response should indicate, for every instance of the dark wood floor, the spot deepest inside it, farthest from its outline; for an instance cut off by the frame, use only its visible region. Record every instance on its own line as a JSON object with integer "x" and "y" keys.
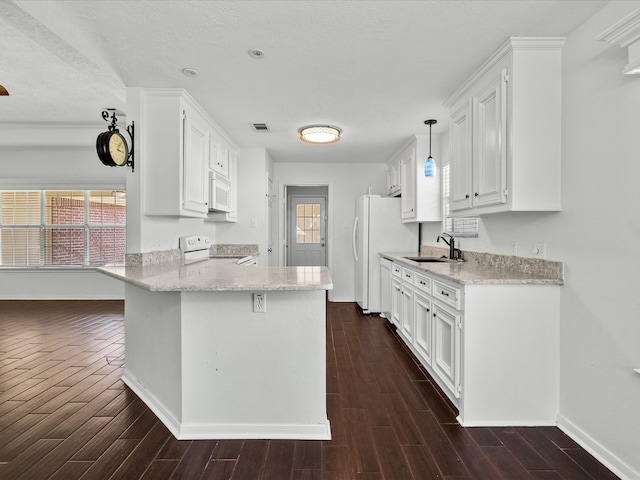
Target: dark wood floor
{"x": 65, "y": 414}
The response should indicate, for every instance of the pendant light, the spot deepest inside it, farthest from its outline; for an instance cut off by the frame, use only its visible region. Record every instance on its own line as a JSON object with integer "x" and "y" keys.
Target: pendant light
{"x": 430, "y": 164}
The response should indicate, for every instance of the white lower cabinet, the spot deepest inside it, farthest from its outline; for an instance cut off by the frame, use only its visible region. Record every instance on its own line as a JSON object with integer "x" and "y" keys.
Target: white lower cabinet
{"x": 396, "y": 295}
{"x": 407, "y": 324}
{"x": 396, "y": 301}
{"x": 424, "y": 325}
{"x": 492, "y": 348}
{"x": 446, "y": 347}
{"x": 385, "y": 288}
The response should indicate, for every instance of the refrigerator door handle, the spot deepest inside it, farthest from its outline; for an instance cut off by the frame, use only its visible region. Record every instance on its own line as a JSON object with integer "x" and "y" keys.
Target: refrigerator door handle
{"x": 355, "y": 233}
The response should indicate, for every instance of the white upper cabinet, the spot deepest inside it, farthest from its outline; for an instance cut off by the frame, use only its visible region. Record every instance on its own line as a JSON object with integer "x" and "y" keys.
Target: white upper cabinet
{"x": 219, "y": 159}
{"x": 505, "y": 131}
{"x": 421, "y": 195}
{"x": 219, "y": 211}
{"x": 195, "y": 158}
{"x": 393, "y": 178}
{"x": 178, "y": 147}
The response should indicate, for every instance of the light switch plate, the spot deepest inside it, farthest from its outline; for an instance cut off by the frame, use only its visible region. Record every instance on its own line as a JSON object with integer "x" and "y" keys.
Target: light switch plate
{"x": 539, "y": 250}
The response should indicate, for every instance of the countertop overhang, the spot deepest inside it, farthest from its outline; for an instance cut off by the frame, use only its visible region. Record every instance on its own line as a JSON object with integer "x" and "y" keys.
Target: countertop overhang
{"x": 470, "y": 272}
{"x": 219, "y": 275}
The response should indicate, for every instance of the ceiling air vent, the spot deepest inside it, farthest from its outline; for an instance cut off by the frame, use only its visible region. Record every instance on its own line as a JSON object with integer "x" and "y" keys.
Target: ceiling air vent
{"x": 260, "y": 127}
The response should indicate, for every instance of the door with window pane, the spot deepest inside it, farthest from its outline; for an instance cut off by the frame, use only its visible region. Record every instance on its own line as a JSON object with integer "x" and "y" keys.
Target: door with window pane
{"x": 307, "y": 231}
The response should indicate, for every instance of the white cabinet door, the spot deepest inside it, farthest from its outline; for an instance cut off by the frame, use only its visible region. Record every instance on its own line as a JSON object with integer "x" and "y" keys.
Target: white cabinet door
{"x": 423, "y": 319}
{"x": 219, "y": 160}
{"x": 385, "y": 288}
{"x": 195, "y": 160}
{"x": 461, "y": 158}
{"x": 393, "y": 178}
{"x": 446, "y": 347}
{"x": 490, "y": 149}
{"x": 396, "y": 302}
{"x": 407, "y": 312}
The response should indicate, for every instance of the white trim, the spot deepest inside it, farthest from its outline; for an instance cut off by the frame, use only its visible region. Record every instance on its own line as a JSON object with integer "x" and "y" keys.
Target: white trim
{"x": 626, "y": 34}
{"x": 599, "y": 451}
{"x": 507, "y": 423}
{"x": 503, "y": 50}
{"x": 342, "y": 299}
{"x": 255, "y": 431}
{"x": 202, "y": 431}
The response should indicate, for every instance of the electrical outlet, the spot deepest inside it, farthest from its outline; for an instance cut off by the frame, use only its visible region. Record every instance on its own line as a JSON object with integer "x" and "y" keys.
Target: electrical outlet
{"x": 259, "y": 302}
{"x": 539, "y": 250}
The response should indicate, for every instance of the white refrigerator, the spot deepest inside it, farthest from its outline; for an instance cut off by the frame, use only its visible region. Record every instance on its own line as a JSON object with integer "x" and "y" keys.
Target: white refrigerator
{"x": 378, "y": 228}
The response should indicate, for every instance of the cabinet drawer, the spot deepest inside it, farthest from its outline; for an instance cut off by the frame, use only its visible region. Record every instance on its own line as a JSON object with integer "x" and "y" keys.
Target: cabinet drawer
{"x": 396, "y": 270}
{"x": 447, "y": 294}
{"x": 422, "y": 283}
{"x": 407, "y": 275}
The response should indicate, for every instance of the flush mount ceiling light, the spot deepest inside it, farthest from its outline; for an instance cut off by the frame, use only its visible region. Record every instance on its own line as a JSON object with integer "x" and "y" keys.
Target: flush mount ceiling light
{"x": 319, "y": 134}
{"x": 256, "y": 53}
{"x": 189, "y": 72}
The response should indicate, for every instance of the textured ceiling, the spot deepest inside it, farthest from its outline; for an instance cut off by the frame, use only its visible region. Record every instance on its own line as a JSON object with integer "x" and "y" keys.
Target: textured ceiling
{"x": 377, "y": 69}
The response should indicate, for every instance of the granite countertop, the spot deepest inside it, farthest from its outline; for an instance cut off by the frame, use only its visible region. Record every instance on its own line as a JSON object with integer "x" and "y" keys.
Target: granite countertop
{"x": 472, "y": 272}
{"x": 219, "y": 275}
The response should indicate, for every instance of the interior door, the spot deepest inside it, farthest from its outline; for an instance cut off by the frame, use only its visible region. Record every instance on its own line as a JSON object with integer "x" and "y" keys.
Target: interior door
{"x": 307, "y": 231}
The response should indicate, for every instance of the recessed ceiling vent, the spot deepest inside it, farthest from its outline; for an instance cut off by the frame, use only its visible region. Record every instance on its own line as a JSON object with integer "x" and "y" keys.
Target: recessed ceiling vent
{"x": 260, "y": 127}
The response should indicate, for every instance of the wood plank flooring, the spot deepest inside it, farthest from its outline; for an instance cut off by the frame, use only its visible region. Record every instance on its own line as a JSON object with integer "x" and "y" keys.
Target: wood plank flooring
{"x": 65, "y": 414}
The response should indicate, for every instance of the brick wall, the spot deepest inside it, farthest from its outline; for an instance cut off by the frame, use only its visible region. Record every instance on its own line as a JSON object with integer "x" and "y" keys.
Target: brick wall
{"x": 66, "y": 245}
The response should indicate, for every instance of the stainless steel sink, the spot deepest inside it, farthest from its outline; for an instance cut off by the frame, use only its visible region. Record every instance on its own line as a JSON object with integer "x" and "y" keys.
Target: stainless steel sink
{"x": 426, "y": 259}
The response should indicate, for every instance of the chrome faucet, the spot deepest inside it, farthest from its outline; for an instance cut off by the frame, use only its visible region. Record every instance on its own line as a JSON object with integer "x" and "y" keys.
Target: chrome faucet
{"x": 454, "y": 253}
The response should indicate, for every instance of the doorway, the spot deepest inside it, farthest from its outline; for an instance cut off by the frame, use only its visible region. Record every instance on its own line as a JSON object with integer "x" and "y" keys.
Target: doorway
{"x": 306, "y": 225}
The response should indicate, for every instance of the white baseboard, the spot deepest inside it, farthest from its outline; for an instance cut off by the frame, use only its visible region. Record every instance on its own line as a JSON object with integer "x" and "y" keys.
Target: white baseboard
{"x": 229, "y": 431}
{"x": 601, "y": 453}
{"x": 507, "y": 423}
{"x": 342, "y": 299}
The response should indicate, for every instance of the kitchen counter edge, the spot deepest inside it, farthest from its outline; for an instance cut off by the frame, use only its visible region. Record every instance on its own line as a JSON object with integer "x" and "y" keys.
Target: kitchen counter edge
{"x": 219, "y": 275}
{"x": 470, "y": 273}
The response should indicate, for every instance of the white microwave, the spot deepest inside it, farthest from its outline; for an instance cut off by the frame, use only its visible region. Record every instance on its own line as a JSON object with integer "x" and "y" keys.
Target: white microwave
{"x": 219, "y": 194}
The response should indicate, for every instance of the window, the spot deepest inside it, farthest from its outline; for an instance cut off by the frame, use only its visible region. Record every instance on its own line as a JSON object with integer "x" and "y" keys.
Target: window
{"x": 62, "y": 227}
{"x": 308, "y": 223}
{"x": 458, "y": 227}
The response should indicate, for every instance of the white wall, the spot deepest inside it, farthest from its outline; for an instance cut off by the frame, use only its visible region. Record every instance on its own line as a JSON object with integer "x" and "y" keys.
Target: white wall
{"x": 57, "y": 167}
{"x": 596, "y": 236}
{"x": 346, "y": 183}
{"x": 254, "y": 167}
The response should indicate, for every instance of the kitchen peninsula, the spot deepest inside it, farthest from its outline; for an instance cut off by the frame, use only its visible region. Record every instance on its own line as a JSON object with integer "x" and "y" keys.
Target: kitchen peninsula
{"x": 209, "y": 366}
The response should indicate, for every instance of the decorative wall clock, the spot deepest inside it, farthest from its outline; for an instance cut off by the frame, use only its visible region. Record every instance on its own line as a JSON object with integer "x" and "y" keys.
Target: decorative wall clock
{"x": 112, "y": 147}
